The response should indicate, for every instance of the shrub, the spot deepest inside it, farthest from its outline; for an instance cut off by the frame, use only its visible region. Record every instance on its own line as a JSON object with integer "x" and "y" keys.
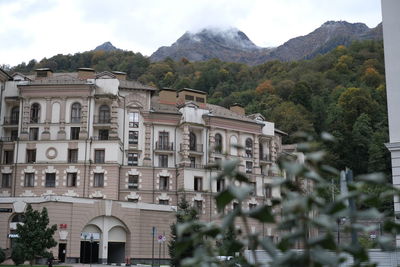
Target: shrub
{"x": 2, "y": 255}
{"x": 18, "y": 255}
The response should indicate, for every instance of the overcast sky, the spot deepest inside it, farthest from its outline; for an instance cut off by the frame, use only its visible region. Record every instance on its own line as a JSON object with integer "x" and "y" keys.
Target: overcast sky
{"x": 43, "y": 28}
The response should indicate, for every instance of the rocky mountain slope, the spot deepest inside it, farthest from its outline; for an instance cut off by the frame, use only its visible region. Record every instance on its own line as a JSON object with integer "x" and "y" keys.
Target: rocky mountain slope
{"x": 233, "y": 45}
{"x": 107, "y": 47}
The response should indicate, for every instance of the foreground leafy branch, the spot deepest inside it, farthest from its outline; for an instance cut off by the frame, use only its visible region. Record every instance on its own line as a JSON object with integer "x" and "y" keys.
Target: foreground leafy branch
{"x": 303, "y": 216}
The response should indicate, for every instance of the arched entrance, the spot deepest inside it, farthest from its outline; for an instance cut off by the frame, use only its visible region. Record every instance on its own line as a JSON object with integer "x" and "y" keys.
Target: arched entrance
{"x": 116, "y": 245}
{"x": 90, "y": 239}
{"x": 103, "y": 240}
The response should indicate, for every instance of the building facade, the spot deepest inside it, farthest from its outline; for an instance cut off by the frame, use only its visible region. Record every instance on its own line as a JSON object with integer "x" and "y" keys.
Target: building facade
{"x": 391, "y": 39}
{"x": 110, "y": 158}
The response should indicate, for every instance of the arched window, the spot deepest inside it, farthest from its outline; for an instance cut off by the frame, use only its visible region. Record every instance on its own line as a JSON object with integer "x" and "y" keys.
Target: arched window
{"x": 233, "y": 145}
{"x": 14, "y": 115}
{"x": 104, "y": 114}
{"x": 218, "y": 143}
{"x": 76, "y": 112}
{"x": 249, "y": 148}
{"x": 18, "y": 218}
{"x": 35, "y": 113}
{"x": 192, "y": 141}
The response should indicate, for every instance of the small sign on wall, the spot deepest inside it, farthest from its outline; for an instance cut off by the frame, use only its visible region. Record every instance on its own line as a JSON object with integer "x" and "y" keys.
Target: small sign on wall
{"x": 5, "y": 209}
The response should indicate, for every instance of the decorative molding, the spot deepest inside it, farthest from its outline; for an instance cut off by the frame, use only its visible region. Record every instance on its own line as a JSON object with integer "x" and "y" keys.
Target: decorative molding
{"x": 63, "y": 234}
{"x": 5, "y": 194}
{"x": 133, "y": 195}
{"x": 51, "y": 153}
{"x": 28, "y": 193}
{"x": 6, "y": 169}
{"x": 71, "y": 193}
{"x": 97, "y": 194}
{"x": 163, "y": 196}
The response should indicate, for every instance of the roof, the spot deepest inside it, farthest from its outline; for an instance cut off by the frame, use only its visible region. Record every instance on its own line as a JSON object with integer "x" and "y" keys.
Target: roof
{"x": 135, "y": 85}
{"x": 219, "y": 111}
{"x": 162, "y": 108}
{"x": 192, "y": 90}
{"x": 4, "y": 73}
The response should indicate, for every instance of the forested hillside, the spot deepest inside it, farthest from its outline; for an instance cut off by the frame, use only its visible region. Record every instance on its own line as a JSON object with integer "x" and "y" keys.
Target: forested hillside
{"x": 342, "y": 92}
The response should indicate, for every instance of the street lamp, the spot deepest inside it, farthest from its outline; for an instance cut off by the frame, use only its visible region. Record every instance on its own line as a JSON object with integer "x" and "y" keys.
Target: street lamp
{"x": 339, "y": 221}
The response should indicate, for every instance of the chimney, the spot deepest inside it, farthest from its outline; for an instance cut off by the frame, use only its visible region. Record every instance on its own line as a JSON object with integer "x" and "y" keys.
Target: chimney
{"x": 237, "y": 108}
{"x": 120, "y": 75}
{"x": 86, "y": 73}
{"x": 167, "y": 96}
{"x": 43, "y": 73}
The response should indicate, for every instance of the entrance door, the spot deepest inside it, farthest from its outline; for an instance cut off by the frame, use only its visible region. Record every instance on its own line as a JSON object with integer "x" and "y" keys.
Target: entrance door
{"x": 62, "y": 248}
{"x": 89, "y": 252}
{"x": 116, "y": 252}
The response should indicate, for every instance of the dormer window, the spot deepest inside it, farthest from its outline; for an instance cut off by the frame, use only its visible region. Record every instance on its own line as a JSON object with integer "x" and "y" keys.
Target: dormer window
{"x": 35, "y": 113}
{"x": 75, "y": 113}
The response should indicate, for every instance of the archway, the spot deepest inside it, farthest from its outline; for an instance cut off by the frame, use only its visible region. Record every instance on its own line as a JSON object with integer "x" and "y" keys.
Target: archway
{"x": 108, "y": 243}
{"x": 90, "y": 239}
{"x": 116, "y": 245}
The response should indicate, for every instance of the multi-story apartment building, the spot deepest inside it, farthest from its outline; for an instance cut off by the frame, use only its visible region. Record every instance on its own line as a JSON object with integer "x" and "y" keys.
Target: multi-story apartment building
{"x": 110, "y": 158}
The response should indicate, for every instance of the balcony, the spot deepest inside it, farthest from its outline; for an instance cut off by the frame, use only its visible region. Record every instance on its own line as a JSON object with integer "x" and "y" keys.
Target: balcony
{"x": 10, "y": 121}
{"x": 194, "y": 149}
{"x": 8, "y": 138}
{"x": 163, "y": 146}
{"x": 265, "y": 159}
{"x": 101, "y": 120}
{"x": 191, "y": 165}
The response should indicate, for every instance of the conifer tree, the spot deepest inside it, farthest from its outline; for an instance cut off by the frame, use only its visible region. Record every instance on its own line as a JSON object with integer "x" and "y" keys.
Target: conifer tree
{"x": 185, "y": 214}
{"x": 34, "y": 235}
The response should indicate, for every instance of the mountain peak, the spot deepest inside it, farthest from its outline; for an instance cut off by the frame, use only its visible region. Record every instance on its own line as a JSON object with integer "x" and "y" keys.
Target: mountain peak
{"x": 107, "y": 47}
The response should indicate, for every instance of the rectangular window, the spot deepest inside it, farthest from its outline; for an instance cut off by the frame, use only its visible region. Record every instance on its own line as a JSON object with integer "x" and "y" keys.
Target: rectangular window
{"x": 31, "y": 155}
{"x": 198, "y": 205}
{"x": 33, "y": 134}
{"x": 6, "y": 180}
{"x": 50, "y": 180}
{"x": 98, "y": 180}
{"x": 253, "y": 186}
{"x": 133, "y": 159}
{"x": 249, "y": 167}
{"x": 163, "y": 202}
{"x": 134, "y": 119}
{"x": 72, "y": 155}
{"x": 133, "y": 182}
{"x": 235, "y": 205}
{"x": 220, "y": 185}
{"x": 189, "y": 97}
{"x": 133, "y": 137}
{"x": 268, "y": 191}
{"x": 29, "y": 180}
{"x": 164, "y": 183}
{"x": 71, "y": 179}
{"x": 163, "y": 141}
{"x": 163, "y": 161}
{"x": 252, "y": 206}
{"x": 75, "y": 133}
{"x": 14, "y": 135}
{"x": 134, "y": 200}
{"x": 198, "y": 184}
{"x": 200, "y": 99}
{"x": 192, "y": 162}
{"x": 103, "y": 134}
{"x": 8, "y": 157}
{"x": 99, "y": 155}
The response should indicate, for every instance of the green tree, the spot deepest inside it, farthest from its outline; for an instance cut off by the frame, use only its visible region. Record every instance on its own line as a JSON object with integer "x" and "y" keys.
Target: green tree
{"x": 185, "y": 214}
{"x": 2, "y": 255}
{"x": 361, "y": 134}
{"x": 17, "y": 254}
{"x": 34, "y": 235}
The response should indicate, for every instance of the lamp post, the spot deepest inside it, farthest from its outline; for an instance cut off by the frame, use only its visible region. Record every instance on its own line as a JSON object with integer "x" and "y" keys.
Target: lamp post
{"x": 91, "y": 245}
{"x": 339, "y": 222}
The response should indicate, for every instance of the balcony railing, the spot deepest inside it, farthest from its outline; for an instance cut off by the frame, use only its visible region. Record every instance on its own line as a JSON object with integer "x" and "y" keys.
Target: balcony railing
{"x": 8, "y": 138}
{"x": 101, "y": 137}
{"x": 10, "y": 121}
{"x": 102, "y": 120}
{"x": 164, "y": 146}
{"x": 194, "y": 148}
{"x": 265, "y": 157}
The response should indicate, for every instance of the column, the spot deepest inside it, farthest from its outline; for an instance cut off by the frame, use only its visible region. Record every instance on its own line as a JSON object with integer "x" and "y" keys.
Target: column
{"x": 83, "y": 133}
{"x": 147, "y": 144}
{"x": 114, "y": 120}
{"x": 26, "y": 110}
{"x": 61, "y": 135}
{"x": 256, "y": 155}
{"x": 185, "y": 146}
{"x": 45, "y": 135}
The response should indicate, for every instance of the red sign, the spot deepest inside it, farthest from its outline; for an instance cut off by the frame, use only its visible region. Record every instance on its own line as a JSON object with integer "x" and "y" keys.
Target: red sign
{"x": 63, "y": 226}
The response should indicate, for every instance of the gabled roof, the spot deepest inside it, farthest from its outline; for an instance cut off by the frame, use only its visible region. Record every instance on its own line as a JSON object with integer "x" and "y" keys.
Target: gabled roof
{"x": 20, "y": 74}
{"x": 5, "y": 75}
